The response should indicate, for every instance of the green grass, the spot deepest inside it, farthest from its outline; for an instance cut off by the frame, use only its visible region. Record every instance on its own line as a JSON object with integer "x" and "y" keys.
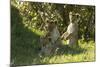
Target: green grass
{"x": 84, "y": 53}
{"x": 25, "y": 51}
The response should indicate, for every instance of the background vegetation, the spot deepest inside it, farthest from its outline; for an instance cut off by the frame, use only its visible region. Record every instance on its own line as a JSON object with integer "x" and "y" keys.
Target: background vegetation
{"x": 27, "y": 22}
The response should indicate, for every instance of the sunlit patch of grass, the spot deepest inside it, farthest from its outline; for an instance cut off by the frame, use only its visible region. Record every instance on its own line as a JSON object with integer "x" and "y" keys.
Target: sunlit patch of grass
{"x": 38, "y": 32}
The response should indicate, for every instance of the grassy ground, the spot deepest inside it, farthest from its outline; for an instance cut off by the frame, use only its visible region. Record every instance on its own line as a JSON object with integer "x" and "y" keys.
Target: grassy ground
{"x": 25, "y": 51}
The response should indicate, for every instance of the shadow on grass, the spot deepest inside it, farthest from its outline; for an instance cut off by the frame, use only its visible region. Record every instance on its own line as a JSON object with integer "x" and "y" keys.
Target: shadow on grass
{"x": 24, "y": 43}
{"x": 66, "y": 49}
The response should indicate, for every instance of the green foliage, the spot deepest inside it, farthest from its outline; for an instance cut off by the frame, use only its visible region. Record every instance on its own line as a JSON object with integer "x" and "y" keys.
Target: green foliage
{"x": 27, "y": 25}
{"x": 35, "y": 15}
